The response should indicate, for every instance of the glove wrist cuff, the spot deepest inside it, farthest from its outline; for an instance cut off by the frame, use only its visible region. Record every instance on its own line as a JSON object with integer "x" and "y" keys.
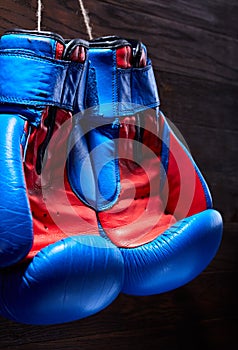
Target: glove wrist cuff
{"x": 28, "y": 62}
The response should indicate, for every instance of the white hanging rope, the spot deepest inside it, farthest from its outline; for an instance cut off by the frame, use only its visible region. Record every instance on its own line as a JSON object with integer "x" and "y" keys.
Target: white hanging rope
{"x": 86, "y": 19}
{"x": 84, "y": 13}
{"x": 38, "y": 15}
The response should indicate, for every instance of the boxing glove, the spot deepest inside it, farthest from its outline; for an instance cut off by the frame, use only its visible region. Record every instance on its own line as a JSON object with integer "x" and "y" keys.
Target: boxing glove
{"x": 55, "y": 265}
{"x": 118, "y": 182}
{"x": 151, "y": 199}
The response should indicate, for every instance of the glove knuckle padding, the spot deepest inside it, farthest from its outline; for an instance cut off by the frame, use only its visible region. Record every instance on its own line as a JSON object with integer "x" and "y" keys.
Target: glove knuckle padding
{"x": 114, "y": 200}
{"x": 65, "y": 281}
{"x": 174, "y": 258}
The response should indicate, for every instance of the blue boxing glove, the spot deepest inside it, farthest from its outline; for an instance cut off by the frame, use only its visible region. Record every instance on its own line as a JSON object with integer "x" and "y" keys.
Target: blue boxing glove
{"x": 114, "y": 200}
{"x": 55, "y": 266}
{"x": 152, "y": 201}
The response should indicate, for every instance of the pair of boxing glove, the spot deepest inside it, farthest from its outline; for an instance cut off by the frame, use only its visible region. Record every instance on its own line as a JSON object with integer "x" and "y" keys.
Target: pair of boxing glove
{"x": 98, "y": 194}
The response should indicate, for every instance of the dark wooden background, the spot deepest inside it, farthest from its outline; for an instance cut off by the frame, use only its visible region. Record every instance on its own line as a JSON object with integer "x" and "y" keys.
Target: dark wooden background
{"x": 193, "y": 45}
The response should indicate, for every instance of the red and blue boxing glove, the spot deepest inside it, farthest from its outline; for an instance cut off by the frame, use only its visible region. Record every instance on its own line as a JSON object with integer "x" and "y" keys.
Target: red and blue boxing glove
{"x": 99, "y": 194}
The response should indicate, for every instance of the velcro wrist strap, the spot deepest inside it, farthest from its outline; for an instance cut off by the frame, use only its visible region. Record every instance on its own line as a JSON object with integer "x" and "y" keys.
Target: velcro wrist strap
{"x": 123, "y": 91}
{"x": 137, "y": 90}
{"x": 32, "y": 80}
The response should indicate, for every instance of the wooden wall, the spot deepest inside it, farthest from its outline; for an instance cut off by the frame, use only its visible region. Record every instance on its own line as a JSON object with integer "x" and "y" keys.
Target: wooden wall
{"x": 194, "y": 49}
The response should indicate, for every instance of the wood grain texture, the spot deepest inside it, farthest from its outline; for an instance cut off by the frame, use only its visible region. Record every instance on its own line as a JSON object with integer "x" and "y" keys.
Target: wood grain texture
{"x": 194, "y": 49}
{"x": 182, "y": 38}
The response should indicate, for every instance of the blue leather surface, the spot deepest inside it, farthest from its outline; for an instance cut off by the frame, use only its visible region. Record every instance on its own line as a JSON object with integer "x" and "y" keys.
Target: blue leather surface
{"x": 15, "y": 218}
{"x": 164, "y": 154}
{"x": 68, "y": 280}
{"x": 93, "y": 165}
{"x": 75, "y": 87}
{"x": 175, "y": 257}
{"x": 122, "y": 92}
{"x": 94, "y": 173}
{"x": 46, "y": 81}
{"x": 37, "y": 44}
{"x": 103, "y": 151}
{"x": 30, "y": 78}
{"x": 137, "y": 90}
{"x": 16, "y": 232}
{"x": 104, "y": 63}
